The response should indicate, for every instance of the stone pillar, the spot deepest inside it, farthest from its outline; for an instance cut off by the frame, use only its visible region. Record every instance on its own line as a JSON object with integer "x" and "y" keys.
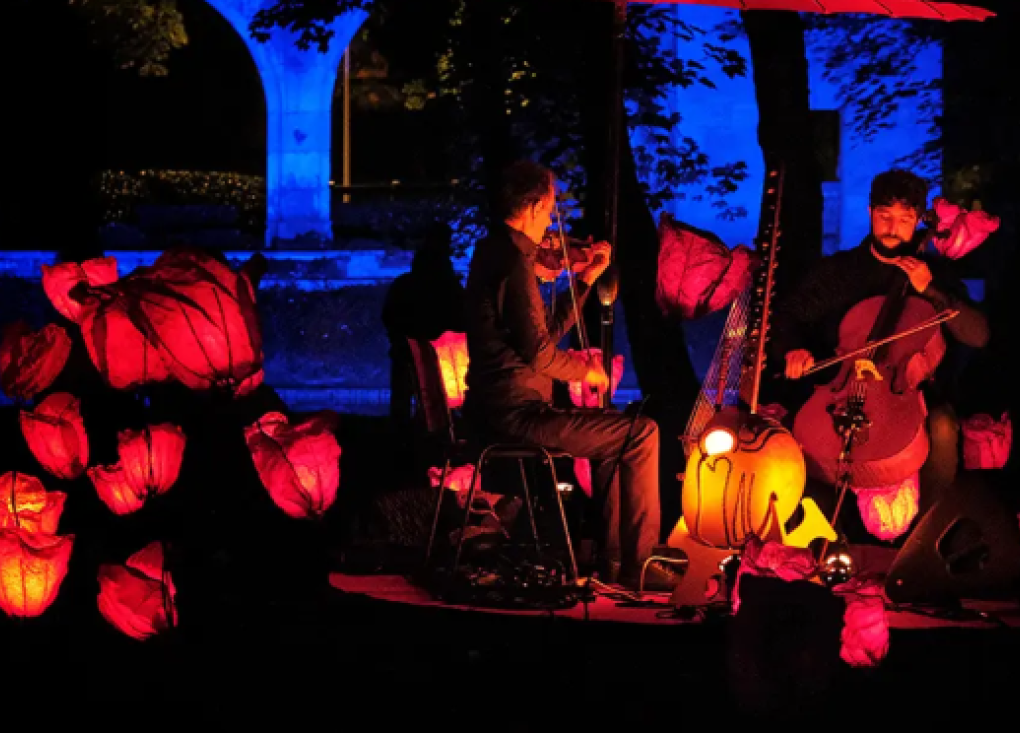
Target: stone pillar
{"x": 299, "y": 87}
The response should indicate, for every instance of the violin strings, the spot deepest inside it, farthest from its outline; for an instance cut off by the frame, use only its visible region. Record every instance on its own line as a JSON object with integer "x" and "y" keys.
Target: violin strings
{"x": 582, "y": 333}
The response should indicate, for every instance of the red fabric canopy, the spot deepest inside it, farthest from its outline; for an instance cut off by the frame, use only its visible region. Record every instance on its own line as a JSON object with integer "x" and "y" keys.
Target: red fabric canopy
{"x": 890, "y": 8}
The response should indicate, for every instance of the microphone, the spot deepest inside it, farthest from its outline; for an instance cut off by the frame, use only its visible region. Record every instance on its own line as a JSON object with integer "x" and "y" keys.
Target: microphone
{"x": 609, "y": 286}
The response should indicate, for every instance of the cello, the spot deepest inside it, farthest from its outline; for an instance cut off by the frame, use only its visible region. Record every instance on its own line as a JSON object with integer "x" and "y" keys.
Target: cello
{"x": 867, "y": 426}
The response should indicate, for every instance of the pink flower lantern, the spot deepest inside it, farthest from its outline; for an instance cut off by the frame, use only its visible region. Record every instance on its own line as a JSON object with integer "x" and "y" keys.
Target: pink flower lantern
{"x": 887, "y": 511}
{"x": 865, "y": 636}
{"x": 986, "y": 441}
{"x": 961, "y": 231}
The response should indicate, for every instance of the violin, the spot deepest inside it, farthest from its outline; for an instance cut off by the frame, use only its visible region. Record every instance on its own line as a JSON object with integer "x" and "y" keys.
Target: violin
{"x": 549, "y": 258}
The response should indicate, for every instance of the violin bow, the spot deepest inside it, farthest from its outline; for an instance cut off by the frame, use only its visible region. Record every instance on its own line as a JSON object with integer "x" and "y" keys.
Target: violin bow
{"x": 930, "y": 323}
{"x": 582, "y": 333}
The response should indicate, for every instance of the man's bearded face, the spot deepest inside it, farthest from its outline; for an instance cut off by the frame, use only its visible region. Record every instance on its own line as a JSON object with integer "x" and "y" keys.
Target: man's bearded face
{"x": 893, "y": 225}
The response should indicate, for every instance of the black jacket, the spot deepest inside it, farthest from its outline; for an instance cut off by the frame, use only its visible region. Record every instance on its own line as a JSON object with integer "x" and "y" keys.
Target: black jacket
{"x": 512, "y": 340}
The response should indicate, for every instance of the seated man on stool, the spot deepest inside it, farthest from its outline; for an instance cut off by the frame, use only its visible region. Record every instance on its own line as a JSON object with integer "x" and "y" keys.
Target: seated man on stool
{"x": 513, "y": 360}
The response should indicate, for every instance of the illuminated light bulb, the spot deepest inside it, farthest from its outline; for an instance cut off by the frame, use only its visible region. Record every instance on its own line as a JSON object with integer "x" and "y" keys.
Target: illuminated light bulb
{"x": 718, "y": 441}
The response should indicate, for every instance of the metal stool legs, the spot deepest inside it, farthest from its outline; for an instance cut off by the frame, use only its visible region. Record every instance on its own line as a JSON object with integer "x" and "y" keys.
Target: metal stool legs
{"x": 521, "y": 453}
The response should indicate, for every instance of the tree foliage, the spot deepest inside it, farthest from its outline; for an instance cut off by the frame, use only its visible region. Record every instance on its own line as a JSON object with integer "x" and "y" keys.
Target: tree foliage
{"x": 433, "y": 48}
{"x": 140, "y": 34}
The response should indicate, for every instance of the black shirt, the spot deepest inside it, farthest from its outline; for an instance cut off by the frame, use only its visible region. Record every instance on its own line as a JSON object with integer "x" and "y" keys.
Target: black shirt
{"x": 809, "y": 316}
{"x": 512, "y": 341}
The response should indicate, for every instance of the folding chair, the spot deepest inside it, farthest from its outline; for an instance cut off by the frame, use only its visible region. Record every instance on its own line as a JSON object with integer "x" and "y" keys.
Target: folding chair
{"x": 435, "y": 412}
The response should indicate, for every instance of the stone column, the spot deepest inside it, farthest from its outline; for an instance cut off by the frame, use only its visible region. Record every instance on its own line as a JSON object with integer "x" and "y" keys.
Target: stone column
{"x": 299, "y": 87}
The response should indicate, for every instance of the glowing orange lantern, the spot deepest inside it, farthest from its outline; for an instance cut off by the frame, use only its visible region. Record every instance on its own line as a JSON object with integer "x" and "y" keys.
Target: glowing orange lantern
{"x": 986, "y": 441}
{"x": 138, "y": 598}
{"x": 26, "y": 504}
{"x": 887, "y": 511}
{"x": 581, "y": 393}
{"x": 451, "y": 348}
{"x": 32, "y": 567}
{"x": 31, "y": 360}
{"x": 151, "y": 458}
{"x": 112, "y": 486}
{"x": 299, "y": 464}
{"x": 57, "y": 281}
{"x": 55, "y": 433}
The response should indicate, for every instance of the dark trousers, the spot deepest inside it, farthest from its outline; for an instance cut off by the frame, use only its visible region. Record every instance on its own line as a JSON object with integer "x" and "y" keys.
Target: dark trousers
{"x": 626, "y": 450}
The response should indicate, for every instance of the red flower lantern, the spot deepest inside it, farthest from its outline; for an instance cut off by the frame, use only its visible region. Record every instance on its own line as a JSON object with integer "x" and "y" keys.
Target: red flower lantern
{"x": 138, "y": 598}
{"x": 698, "y": 274}
{"x": 451, "y": 348}
{"x": 961, "y": 231}
{"x": 32, "y": 567}
{"x": 986, "y": 441}
{"x": 26, "y": 504}
{"x": 299, "y": 464}
{"x": 55, "y": 433}
{"x": 887, "y": 511}
{"x": 113, "y": 488}
{"x": 865, "y": 635}
{"x": 31, "y": 360}
{"x": 57, "y": 281}
{"x": 119, "y": 350}
{"x": 581, "y": 394}
{"x": 151, "y": 458}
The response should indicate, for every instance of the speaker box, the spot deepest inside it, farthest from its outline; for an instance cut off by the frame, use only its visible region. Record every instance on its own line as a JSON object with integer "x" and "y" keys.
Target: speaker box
{"x": 967, "y": 546}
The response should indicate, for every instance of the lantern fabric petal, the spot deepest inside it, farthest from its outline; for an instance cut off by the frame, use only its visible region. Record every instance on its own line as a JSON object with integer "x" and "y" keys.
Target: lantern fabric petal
{"x": 451, "y": 350}
{"x": 887, "y": 511}
{"x": 961, "y": 231}
{"x": 865, "y": 635}
{"x": 135, "y": 597}
{"x": 55, "y": 433}
{"x": 31, "y": 360}
{"x": 201, "y": 317}
{"x": 26, "y": 504}
{"x": 119, "y": 350}
{"x": 698, "y": 274}
{"x": 32, "y": 567}
{"x": 986, "y": 441}
{"x": 298, "y": 464}
{"x": 58, "y": 280}
{"x": 151, "y": 458}
{"x": 772, "y": 560}
{"x": 114, "y": 490}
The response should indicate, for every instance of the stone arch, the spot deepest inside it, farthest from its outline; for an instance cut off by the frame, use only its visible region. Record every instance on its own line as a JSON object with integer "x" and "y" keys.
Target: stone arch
{"x": 298, "y": 86}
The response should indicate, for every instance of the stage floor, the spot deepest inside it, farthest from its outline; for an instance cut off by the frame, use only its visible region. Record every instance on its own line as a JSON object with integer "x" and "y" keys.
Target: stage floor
{"x": 401, "y": 590}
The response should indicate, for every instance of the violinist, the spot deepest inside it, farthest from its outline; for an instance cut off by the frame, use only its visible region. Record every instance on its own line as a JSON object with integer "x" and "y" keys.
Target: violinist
{"x": 513, "y": 360}
{"x": 806, "y": 322}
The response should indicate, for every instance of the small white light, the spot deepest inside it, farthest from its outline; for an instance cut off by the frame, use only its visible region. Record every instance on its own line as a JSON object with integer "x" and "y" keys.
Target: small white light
{"x": 717, "y": 441}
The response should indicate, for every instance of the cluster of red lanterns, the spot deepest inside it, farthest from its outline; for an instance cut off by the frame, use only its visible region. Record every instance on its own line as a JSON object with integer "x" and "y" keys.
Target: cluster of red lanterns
{"x": 189, "y": 318}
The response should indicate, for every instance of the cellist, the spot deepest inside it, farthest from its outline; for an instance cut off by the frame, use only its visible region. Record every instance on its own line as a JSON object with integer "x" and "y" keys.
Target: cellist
{"x": 806, "y": 321}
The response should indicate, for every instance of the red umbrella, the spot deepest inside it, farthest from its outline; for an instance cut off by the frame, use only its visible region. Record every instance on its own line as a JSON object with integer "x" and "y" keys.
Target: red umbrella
{"x": 890, "y": 8}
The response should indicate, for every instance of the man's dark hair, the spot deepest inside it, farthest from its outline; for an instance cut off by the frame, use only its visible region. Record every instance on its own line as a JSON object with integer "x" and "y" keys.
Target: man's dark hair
{"x": 523, "y": 184}
{"x": 898, "y": 186}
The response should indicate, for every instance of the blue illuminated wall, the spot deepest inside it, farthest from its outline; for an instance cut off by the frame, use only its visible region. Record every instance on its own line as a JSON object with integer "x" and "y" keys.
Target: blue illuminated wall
{"x": 299, "y": 103}
{"x": 724, "y": 122}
